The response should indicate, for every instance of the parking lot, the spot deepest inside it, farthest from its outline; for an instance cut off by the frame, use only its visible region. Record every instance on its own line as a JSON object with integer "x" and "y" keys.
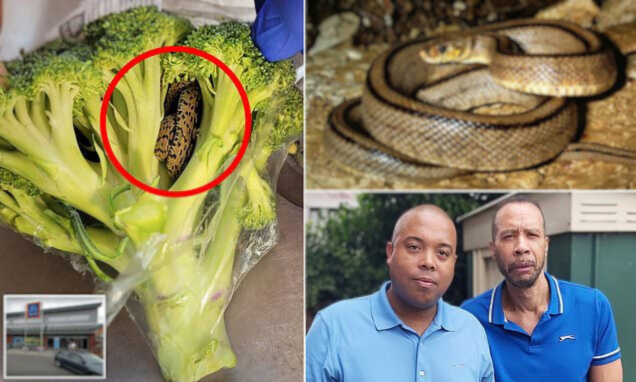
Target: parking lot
{"x": 21, "y": 363}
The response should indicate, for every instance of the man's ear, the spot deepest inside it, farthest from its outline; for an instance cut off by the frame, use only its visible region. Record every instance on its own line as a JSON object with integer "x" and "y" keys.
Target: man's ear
{"x": 547, "y": 245}
{"x": 389, "y": 252}
{"x": 492, "y": 248}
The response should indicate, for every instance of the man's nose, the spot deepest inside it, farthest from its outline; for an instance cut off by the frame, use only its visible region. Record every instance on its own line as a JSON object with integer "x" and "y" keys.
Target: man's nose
{"x": 521, "y": 246}
{"x": 427, "y": 259}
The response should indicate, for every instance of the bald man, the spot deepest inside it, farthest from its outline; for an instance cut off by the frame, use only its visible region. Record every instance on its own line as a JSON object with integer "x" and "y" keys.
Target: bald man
{"x": 405, "y": 331}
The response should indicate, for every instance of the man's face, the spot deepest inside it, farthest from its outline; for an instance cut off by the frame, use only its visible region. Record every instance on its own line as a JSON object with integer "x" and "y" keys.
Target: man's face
{"x": 520, "y": 246}
{"x": 422, "y": 258}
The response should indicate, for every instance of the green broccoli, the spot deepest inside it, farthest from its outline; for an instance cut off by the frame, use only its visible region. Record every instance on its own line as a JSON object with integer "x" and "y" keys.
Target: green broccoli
{"x": 223, "y": 121}
{"x": 247, "y": 202}
{"x": 36, "y": 119}
{"x": 137, "y": 107}
{"x": 54, "y": 189}
{"x": 25, "y": 209}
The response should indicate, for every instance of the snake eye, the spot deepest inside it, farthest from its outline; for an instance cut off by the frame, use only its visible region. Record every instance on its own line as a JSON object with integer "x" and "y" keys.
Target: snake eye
{"x": 442, "y": 48}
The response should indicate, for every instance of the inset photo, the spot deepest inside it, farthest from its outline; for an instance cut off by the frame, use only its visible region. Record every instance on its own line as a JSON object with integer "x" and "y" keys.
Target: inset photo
{"x": 55, "y": 336}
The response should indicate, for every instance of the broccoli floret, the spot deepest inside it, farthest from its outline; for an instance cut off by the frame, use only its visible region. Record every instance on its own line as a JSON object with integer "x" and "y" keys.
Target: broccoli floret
{"x": 231, "y": 43}
{"x": 273, "y": 128}
{"x": 17, "y": 185}
{"x": 223, "y": 121}
{"x": 57, "y": 63}
{"x": 119, "y": 37}
{"x": 36, "y": 119}
{"x": 288, "y": 120}
{"x": 54, "y": 66}
{"x": 27, "y": 210}
{"x": 137, "y": 107}
{"x": 23, "y": 200}
{"x": 259, "y": 208}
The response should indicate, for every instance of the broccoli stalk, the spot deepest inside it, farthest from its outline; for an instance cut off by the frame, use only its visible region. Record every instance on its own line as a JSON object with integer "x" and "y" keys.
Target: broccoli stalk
{"x": 198, "y": 345}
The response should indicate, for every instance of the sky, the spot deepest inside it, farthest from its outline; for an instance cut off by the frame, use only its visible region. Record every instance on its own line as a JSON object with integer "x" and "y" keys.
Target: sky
{"x": 17, "y": 303}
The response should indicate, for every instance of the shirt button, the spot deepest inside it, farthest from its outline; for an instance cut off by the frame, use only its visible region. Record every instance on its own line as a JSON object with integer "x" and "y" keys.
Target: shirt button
{"x": 422, "y": 373}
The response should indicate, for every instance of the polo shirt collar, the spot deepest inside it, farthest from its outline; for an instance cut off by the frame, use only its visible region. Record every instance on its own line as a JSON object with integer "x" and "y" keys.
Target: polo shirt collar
{"x": 385, "y": 318}
{"x": 495, "y": 310}
{"x": 556, "y": 300}
{"x": 442, "y": 318}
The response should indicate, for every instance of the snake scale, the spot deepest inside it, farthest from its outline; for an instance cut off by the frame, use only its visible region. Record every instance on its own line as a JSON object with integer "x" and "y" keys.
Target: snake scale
{"x": 179, "y": 127}
{"x": 493, "y": 98}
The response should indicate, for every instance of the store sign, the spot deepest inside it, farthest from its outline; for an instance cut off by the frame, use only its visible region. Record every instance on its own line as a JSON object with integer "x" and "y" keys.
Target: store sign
{"x": 33, "y": 310}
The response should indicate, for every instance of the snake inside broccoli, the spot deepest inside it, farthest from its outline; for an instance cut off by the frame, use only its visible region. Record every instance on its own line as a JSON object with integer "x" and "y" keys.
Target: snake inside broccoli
{"x": 179, "y": 128}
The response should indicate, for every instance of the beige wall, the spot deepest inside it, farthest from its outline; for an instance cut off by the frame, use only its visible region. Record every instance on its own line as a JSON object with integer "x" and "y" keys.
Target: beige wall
{"x": 485, "y": 273}
{"x": 607, "y": 212}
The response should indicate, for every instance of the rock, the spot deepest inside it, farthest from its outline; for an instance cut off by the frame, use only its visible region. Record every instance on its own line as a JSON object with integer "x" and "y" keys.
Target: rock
{"x": 611, "y": 121}
{"x": 335, "y": 30}
{"x": 616, "y": 12}
{"x": 459, "y": 6}
{"x": 353, "y": 54}
{"x": 630, "y": 69}
{"x": 624, "y": 37}
{"x": 581, "y": 12}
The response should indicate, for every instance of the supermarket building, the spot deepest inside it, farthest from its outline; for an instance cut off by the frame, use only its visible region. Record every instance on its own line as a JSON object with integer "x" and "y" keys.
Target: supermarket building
{"x": 61, "y": 327}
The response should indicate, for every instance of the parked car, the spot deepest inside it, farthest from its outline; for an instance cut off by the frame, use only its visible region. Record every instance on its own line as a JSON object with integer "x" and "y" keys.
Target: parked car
{"x": 80, "y": 362}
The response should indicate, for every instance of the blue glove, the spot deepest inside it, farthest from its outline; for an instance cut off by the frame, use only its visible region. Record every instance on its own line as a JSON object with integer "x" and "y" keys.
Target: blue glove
{"x": 278, "y": 30}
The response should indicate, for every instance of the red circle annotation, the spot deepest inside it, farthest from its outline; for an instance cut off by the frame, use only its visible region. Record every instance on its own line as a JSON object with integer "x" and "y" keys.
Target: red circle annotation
{"x": 117, "y": 164}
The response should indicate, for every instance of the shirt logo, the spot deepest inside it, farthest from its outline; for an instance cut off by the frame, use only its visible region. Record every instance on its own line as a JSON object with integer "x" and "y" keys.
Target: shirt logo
{"x": 568, "y": 337}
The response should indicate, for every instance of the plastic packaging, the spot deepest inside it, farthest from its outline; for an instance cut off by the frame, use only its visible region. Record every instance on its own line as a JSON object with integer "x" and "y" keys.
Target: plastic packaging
{"x": 180, "y": 290}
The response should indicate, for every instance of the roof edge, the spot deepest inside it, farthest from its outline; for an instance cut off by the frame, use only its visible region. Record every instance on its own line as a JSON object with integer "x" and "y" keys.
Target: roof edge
{"x": 60, "y": 309}
{"x": 486, "y": 206}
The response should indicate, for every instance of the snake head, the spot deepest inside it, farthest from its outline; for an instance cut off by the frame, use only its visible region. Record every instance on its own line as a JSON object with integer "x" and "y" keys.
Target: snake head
{"x": 456, "y": 50}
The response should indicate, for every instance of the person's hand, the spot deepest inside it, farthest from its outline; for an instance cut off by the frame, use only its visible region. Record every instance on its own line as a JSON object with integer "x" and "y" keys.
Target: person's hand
{"x": 278, "y": 29}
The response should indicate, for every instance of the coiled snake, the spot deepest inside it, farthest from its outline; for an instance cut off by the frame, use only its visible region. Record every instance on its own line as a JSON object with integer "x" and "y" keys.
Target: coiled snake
{"x": 418, "y": 119}
{"x": 179, "y": 127}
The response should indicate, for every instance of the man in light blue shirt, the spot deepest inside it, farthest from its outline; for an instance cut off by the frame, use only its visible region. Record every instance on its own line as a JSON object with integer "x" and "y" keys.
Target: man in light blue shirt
{"x": 405, "y": 331}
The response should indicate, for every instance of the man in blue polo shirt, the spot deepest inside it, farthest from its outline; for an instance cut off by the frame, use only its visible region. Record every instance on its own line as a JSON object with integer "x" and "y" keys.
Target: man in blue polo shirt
{"x": 404, "y": 332}
{"x": 540, "y": 328}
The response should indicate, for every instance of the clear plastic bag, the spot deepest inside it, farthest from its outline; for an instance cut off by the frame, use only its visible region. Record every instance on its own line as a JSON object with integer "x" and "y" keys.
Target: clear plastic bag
{"x": 177, "y": 293}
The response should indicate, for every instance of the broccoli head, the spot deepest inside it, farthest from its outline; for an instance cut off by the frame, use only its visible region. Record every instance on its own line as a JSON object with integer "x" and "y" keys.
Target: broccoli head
{"x": 119, "y": 37}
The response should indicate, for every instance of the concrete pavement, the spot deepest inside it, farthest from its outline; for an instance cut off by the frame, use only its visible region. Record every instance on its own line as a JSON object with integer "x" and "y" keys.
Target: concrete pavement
{"x": 21, "y": 363}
